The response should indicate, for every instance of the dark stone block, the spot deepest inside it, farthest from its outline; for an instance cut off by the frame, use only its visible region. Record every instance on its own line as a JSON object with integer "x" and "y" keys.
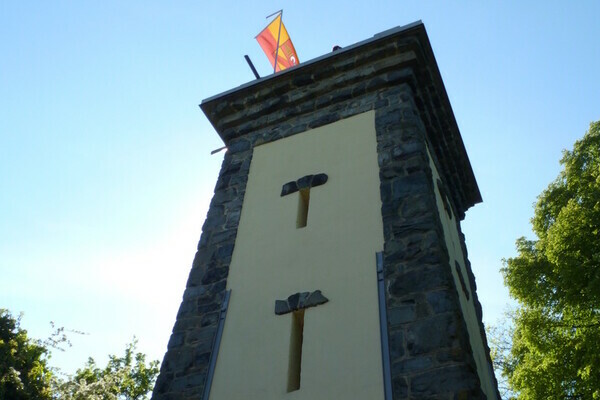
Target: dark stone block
{"x": 302, "y": 300}
{"x": 239, "y": 145}
{"x": 413, "y": 184}
{"x": 187, "y": 381}
{"x": 223, "y": 236}
{"x": 187, "y": 308}
{"x": 316, "y": 298}
{"x": 203, "y": 242}
{"x": 319, "y": 179}
{"x": 381, "y": 103}
{"x": 389, "y": 209}
{"x": 207, "y": 307}
{"x": 204, "y": 335}
{"x": 214, "y": 274}
{"x": 419, "y": 280}
{"x": 288, "y": 188}
{"x": 233, "y": 219}
{"x": 176, "y": 340}
{"x": 431, "y": 334}
{"x": 432, "y": 257}
{"x": 196, "y": 274}
{"x": 375, "y": 83}
{"x": 398, "y": 75}
{"x": 231, "y": 167}
{"x": 194, "y": 292}
{"x": 453, "y": 355}
{"x": 413, "y": 233}
{"x": 218, "y": 287}
{"x": 423, "y": 310}
{"x": 448, "y": 380}
{"x": 185, "y": 324}
{"x": 417, "y": 206}
{"x": 281, "y": 307}
{"x": 293, "y": 301}
{"x": 204, "y": 346}
{"x": 386, "y": 118}
{"x": 359, "y": 89}
{"x": 210, "y": 319}
{"x": 299, "y": 301}
{"x": 410, "y": 115}
{"x": 301, "y": 127}
{"x": 441, "y": 301}
{"x": 213, "y": 219}
{"x": 202, "y": 358}
{"x": 304, "y": 182}
{"x": 225, "y": 250}
{"x": 341, "y": 95}
{"x": 431, "y": 239}
{"x": 179, "y": 359}
{"x": 170, "y": 396}
{"x": 303, "y": 80}
{"x": 412, "y": 365}
{"x": 396, "y": 339}
{"x": 273, "y": 104}
{"x": 223, "y": 182}
{"x": 399, "y": 387}
{"x": 402, "y": 314}
{"x": 324, "y": 120}
{"x": 322, "y": 101}
{"x": 162, "y": 382}
{"x": 204, "y": 257}
{"x": 405, "y": 150}
{"x": 194, "y": 393}
{"x": 386, "y": 192}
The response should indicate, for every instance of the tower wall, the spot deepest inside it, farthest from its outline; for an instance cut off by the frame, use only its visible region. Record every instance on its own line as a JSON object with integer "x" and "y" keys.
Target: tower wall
{"x": 437, "y": 343}
{"x": 333, "y": 252}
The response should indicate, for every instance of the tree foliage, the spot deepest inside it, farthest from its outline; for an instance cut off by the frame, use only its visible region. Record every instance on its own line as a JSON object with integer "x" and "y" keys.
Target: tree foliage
{"x": 555, "y": 350}
{"x": 500, "y": 341}
{"x": 123, "y": 378}
{"x": 24, "y": 372}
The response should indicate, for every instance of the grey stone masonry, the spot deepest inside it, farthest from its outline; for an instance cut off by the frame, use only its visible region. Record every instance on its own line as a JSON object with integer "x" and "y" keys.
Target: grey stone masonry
{"x": 305, "y": 182}
{"x": 300, "y": 301}
{"x": 394, "y": 74}
{"x": 184, "y": 367}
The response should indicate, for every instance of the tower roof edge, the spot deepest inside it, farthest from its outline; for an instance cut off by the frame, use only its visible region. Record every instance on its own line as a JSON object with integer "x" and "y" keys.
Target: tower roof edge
{"x": 401, "y": 55}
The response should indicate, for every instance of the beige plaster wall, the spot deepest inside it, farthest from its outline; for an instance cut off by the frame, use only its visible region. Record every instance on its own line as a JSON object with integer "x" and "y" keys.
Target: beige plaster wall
{"x": 335, "y": 252}
{"x": 467, "y": 305}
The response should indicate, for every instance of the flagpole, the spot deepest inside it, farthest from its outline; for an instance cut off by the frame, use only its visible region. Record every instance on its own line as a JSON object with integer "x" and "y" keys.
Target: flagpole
{"x": 278, "y": 36}
{"x": 276, "y": 12}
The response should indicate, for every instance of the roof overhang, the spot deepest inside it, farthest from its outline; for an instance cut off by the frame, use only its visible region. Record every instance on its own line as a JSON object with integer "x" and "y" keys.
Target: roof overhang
{"x": 269, "y": 100}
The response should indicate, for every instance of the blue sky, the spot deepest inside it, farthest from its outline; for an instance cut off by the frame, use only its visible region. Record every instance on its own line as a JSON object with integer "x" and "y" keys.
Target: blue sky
{"x": 105, "y": 165}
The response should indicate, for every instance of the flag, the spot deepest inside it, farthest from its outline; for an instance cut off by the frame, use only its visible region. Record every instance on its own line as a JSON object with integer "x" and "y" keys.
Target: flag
{"x": 267, "y": 39}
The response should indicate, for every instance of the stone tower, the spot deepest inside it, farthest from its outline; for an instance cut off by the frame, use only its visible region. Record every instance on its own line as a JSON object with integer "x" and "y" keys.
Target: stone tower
{"x": 331, "y": 263}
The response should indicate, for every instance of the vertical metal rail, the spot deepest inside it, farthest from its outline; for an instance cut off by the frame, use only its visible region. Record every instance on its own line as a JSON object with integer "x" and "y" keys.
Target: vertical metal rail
{"x": 278, "y": 36}
{"x": 280, "y": 12}
{"x": 383, "y": 325}
{"x": 216, "y": 344}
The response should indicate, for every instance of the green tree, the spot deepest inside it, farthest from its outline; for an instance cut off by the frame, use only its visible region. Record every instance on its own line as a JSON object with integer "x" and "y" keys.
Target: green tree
{"x": 499, "y": 338}
{"x": 555, "y": 350}
{"x": 24, "y": 372}
{"x": 123, "y": 378}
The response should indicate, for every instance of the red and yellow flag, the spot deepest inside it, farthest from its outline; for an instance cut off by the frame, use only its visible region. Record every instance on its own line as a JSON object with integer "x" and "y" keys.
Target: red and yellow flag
{"x": 267, "y": 39}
